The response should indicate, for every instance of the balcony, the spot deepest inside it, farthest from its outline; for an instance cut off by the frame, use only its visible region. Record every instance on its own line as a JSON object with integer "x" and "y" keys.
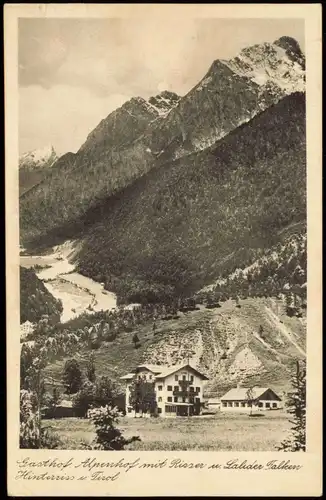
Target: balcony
{"x": 185, "y": 392}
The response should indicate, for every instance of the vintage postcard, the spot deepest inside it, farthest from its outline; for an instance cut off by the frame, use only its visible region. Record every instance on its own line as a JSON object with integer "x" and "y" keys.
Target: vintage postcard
{"x": 163, "y": 203}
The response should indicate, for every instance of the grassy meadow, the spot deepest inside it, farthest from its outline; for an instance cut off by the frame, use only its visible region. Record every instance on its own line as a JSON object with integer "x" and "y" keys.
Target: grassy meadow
{"x": 214, "y": 432}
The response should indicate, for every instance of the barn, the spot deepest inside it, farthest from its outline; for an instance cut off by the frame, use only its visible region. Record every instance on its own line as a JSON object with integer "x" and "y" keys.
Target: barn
{"x": 243, "y": 399}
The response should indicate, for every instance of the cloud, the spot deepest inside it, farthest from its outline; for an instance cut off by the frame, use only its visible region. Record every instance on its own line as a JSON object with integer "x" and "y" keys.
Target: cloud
{"x": 62, "y": 116}
{"x": 73, "y": 72}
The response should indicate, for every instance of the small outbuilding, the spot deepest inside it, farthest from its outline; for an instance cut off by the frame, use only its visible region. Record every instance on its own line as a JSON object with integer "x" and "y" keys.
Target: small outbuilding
{"x": 63, "y": 410}
{"x": 213, "y": 403}
{"x": 243, "y": 399}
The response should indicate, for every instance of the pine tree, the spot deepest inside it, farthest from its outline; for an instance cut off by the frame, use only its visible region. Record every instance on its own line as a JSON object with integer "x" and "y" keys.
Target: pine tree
{"x": 135, "y": 340}
{"x": 142, "y": 396}
{"x": 72, "y": 376}
{"x": 90, "y": 369}
{"x": 296, "y": 407}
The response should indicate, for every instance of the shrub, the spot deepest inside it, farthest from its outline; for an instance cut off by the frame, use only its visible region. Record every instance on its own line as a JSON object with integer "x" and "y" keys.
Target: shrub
{"x": 108, "y": 436}
{"x": 29, "y": 433}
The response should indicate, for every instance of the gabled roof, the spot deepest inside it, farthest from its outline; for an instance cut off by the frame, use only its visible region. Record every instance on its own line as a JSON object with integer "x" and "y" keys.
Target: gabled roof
{"x": 240, "y": 393}
{"x": 169, "y": 370}
{"x": 129, "y": 376}
{"x": 151, "y": 368}
{"x": 162, "y": 371}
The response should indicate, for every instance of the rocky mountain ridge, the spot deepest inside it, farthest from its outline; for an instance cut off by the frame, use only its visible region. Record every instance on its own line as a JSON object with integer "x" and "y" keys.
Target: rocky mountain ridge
{"x": 34, "y": 165}
{"x": 142, "y": 135}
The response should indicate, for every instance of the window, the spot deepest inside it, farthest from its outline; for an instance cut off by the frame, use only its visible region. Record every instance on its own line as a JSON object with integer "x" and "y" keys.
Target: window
{"x": 260, "y": 404}
{"x": 230, "y": 403}
{"x": 197, "y": 389}
{"x": 183, "y": 399}
{"x": 191, "y": 389}
{"x": 191, "y": 378}
{"x": 191, "y": 400}
{"x": 175, "y": 399}
{"x": 224, "y": 404}
{"x": 150, "y": 377}
{"x": 129, "y": 410}
{"x": 170, "y": 409}
{"x": 159, "y": 410}
{"x": 160, "y": 399}
{"x": 243, "y": 404}
{"x": 183, "y": 377}
{"x": 176, "y": 378}
{"x": 274, "y": 405}
{"x": 169, "y": 387}
{"x": 169, "y": 399}
{"x": 236, "y": 404}
{"x": 160, "y": 387}
{"x": 176, "y": 387}
{"x": 268, "y": 405}
{"x": 197, "y": 400}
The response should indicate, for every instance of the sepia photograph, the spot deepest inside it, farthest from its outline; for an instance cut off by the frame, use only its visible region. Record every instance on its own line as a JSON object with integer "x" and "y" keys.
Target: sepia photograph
{"x": 163, "y": 234}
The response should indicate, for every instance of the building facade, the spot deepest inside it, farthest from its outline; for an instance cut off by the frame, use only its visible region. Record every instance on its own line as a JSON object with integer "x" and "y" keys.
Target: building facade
{"x": 178, "y": 389}
{"x": 242, "y": 399}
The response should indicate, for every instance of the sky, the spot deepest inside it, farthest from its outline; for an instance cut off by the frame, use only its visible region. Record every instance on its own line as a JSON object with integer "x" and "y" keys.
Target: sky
{"x": 74, "y": 72}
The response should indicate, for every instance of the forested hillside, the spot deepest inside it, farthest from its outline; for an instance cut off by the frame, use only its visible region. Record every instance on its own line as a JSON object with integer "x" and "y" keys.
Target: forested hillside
{"x": 142, "y": 135}
{"x": 187, "y": 223}
{"x": 35, "y": 300}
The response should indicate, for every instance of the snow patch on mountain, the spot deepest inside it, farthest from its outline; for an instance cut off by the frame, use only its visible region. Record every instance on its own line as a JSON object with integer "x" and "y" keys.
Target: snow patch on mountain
{"x": 269, "y": 63}
{"x": 163, "y": 102}
{"x": 44, "y": 157}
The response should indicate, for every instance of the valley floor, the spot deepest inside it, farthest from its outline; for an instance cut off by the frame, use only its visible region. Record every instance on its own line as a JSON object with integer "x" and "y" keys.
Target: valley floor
{"x": 214, "y": 432}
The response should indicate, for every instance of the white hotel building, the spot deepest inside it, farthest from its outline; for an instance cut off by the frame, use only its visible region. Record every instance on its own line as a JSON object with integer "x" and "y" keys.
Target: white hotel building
{"x": 178, "y": 388}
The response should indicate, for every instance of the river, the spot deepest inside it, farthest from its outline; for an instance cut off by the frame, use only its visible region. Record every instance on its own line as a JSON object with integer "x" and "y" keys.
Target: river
{"x": 77, "y": 293}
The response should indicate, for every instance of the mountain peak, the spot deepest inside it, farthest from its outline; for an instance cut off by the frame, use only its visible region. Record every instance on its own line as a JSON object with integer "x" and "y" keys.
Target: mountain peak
{"x": 43, "y": 157}
{"x": 280, "y": 64}
{"x": 287, "y": 42}
{"x": 163, "y": 102}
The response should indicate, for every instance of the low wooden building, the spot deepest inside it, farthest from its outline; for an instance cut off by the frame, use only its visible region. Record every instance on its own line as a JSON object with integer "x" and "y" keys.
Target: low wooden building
{"x": 245, "y": 399}
{"x": 63, "y": 410}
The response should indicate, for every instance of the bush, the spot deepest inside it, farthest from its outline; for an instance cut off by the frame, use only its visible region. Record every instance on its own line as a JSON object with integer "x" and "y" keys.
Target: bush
{"x": 94, "y": 394}
{"x": 31, "y": 436}
{"x": 29, "y": 433}
{"x": 108, "y": 436}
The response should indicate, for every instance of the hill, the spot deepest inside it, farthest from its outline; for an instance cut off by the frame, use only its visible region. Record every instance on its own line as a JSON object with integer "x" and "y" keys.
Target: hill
{"x": 254, "y": 344}
{"x": 188, "y": 222}
{"x": 35, "y": 300}
{"x": 142, "y": 135}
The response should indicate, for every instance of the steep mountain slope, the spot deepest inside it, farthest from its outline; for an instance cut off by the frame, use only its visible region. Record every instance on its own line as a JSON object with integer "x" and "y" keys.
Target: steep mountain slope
{"x": 35, "y": 300}
{"x": 255, "y": 344}
{"x": 191, "y": 220}
{"x": 33, "y": 166}
{"x": 142, "y": 135}
{"x": 281, "y": 269}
